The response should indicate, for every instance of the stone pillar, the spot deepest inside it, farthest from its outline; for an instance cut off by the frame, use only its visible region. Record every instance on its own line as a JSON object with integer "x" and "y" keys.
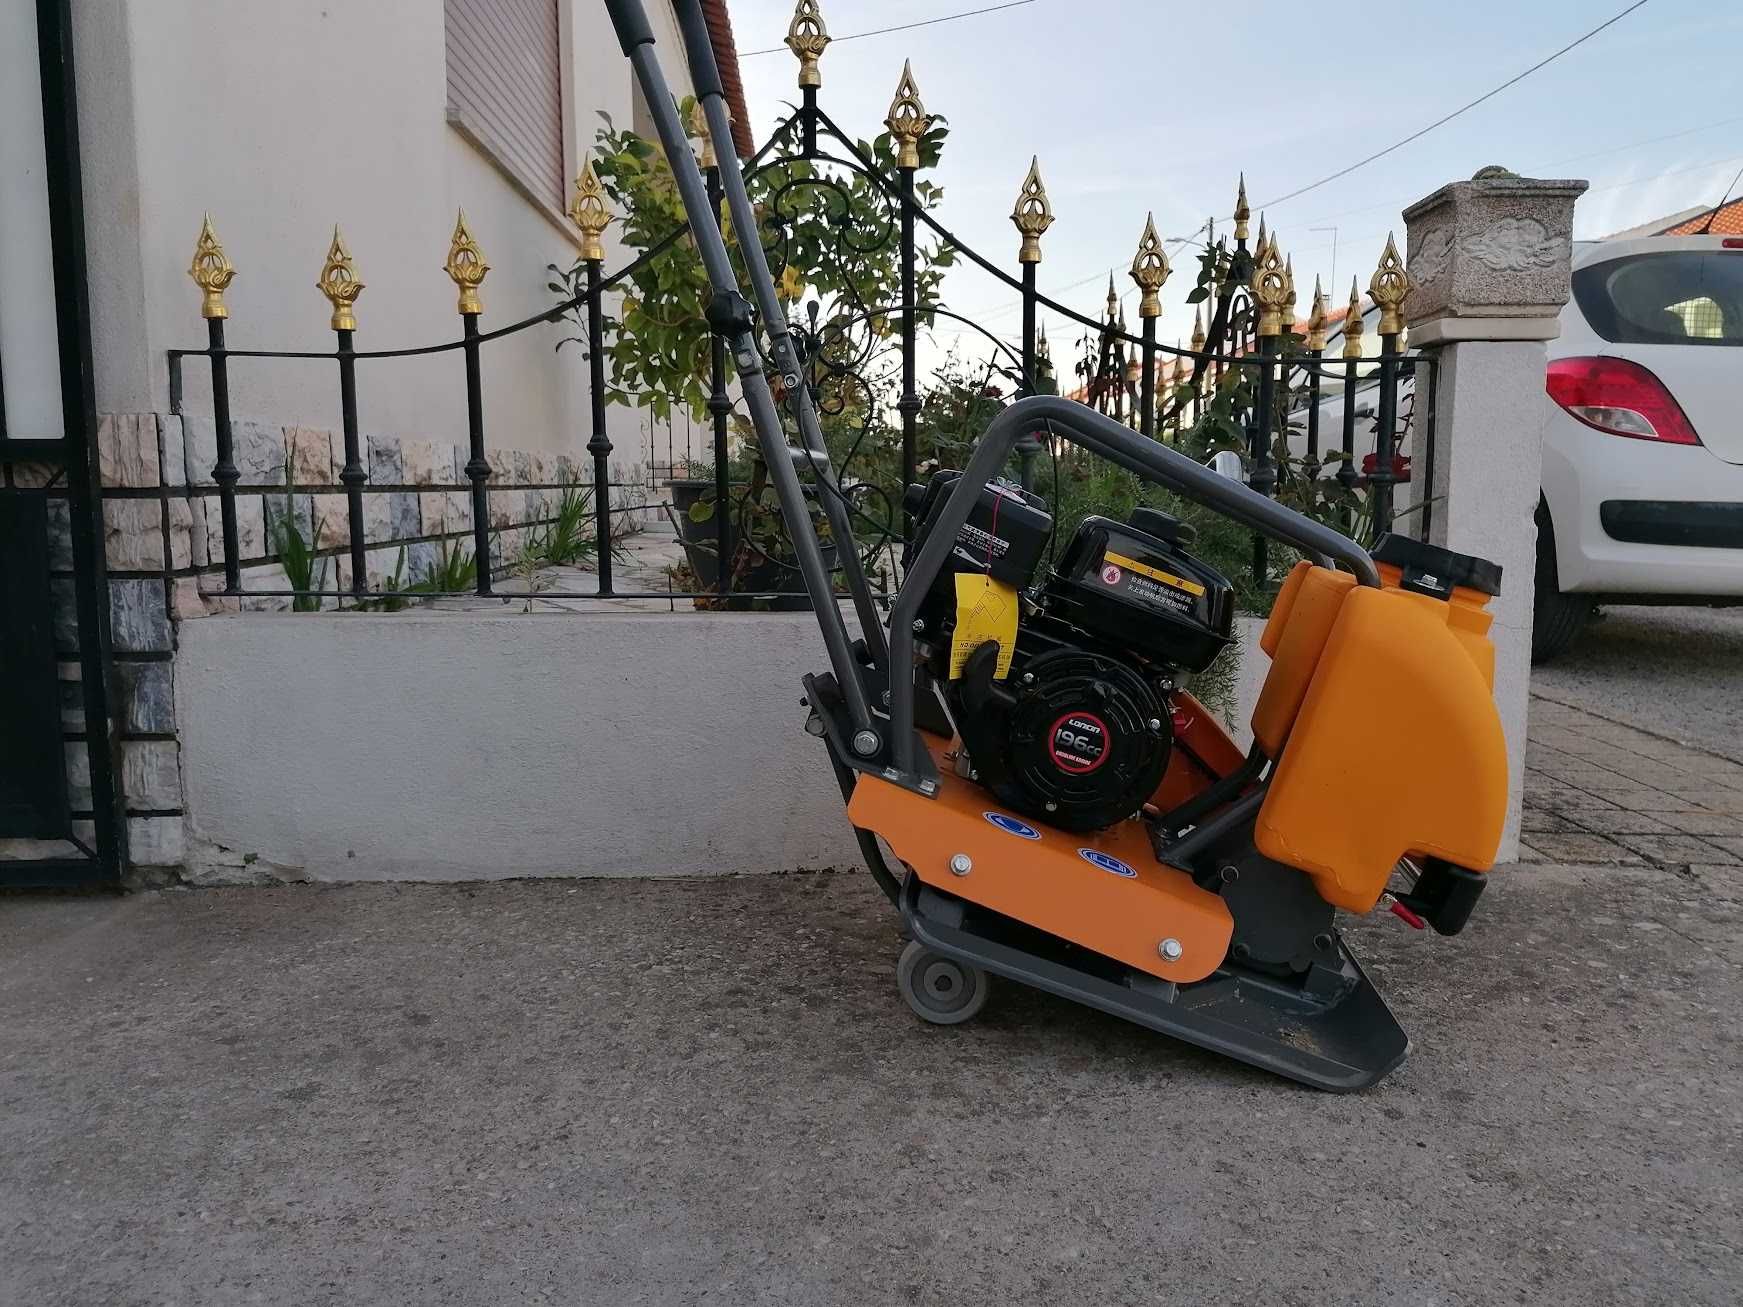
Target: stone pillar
{"x": 1489, "y": 265}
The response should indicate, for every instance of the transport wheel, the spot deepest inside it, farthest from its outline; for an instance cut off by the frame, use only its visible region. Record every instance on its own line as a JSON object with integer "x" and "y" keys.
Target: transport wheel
{"x": 940, "y": 989}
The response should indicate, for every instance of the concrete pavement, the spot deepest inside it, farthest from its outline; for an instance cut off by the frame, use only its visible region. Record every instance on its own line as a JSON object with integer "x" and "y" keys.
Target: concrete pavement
{"x": 1675, "y": 671}
{"x": 709, "y": 1092}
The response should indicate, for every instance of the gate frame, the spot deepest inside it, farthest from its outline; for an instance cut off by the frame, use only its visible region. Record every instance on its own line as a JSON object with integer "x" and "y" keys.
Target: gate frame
{"x": 101, "y": 865}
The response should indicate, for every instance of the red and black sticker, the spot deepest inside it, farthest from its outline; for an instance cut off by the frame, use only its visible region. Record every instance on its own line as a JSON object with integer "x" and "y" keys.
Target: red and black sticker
{"x": 1078, "y": 743}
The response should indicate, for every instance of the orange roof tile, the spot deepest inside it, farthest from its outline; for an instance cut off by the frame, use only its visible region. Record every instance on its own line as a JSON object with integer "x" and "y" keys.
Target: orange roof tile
{"x": 1728, "y": 221}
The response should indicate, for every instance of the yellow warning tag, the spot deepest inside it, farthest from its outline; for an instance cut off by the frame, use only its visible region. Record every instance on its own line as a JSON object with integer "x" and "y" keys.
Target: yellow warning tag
{"x": 985, "y": 610}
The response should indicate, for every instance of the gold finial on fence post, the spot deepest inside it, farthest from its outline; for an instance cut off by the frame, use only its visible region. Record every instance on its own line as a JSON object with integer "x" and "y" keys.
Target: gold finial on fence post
{"x": 1390, "y": 287}
{"x": 699, "y": 127}
{"x": 1270, "y": 287}
{"x": 212, "y": 272}
{"x": 339, "y": 283}
{"x": 1198, "y": 336}
{"x": 1242, "y": 213}
{"x": 907, "y": 120}
{"x": 1353, "y": 323}
{"x": 1033, "y": 214}
{"x": 589, "y": 212}
{"x": 1316, "y": 319}
{"x": 1287, "y": 308}
{"x": 807, "y": 38}
{"x": 1150, "y": 269}
{"x": 466, "y": 266}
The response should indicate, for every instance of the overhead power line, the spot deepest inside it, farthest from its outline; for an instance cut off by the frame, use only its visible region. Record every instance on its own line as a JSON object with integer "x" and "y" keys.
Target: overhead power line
{"x": 907, "y": 27}
{"x": 1465, "y": 108}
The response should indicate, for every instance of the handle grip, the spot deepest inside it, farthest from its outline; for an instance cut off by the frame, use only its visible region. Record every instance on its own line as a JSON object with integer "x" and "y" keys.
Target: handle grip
{"x": 631, "y": 21}
{"x": 699, "y": 49}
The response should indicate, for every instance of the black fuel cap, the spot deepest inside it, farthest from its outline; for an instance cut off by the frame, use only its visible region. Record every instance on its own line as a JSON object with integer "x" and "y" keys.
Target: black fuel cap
{"x": 1431, "y": 570}
{"x": 1165, "y": 527}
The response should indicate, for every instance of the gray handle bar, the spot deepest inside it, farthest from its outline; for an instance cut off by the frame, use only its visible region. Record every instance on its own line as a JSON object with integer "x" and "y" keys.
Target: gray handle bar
{"x": 1117, "y": 443}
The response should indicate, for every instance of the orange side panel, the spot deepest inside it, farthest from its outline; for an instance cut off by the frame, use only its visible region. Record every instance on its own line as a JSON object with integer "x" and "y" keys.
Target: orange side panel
{"x": 1316, "y": 594}
{"x": 1047, "y": 881}
{"x": 1197, "y": 735}
{"x": 1281, "y": 605}
{"x": 1397, "y": 750}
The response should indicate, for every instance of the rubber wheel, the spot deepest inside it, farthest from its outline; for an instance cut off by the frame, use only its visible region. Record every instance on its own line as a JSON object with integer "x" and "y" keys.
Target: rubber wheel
{"x": 1556, "y": 618}
{"x": 940, "y": 989}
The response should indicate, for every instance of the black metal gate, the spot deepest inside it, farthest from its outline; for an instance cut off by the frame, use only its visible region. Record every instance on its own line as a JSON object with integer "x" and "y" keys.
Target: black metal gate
{"x": 54, "y": 612}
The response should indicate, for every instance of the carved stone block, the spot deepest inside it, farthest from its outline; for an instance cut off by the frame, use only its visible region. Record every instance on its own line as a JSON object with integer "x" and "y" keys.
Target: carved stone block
{"x": 1495, "y": 247}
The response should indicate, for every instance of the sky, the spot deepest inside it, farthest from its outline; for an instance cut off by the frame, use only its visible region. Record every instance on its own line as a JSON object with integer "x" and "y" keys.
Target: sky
{"x": 1139, "y": 106}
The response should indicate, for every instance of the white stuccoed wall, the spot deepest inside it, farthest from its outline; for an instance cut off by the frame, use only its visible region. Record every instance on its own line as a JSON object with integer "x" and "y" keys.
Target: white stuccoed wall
{"x": 478, "y": 746}
{"x": 1490, "y": 475}
{"x": 282, "y": 119}
{"x": 462, "y": 746}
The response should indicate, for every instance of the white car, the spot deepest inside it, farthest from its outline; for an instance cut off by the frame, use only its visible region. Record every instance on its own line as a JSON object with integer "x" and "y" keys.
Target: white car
{"x": 1643, "y": 452}
{"x": 1643, "y": 445}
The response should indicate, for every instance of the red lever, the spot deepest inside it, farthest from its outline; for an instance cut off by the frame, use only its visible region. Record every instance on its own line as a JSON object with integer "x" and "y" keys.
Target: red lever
{"x": 1408, "y": 917}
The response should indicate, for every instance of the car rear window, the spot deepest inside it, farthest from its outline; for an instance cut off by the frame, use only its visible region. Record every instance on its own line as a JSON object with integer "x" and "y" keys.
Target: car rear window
{"x": 1680, "y": 297}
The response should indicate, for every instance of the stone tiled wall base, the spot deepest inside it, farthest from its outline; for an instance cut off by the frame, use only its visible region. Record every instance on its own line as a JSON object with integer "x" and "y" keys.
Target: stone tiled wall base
{"x": 163, "y": 542}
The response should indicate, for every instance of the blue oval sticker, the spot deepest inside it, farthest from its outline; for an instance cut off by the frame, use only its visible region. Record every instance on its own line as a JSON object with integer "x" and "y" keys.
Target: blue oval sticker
{"x": 1011, "y": 826}
{"x": 1096, "y": 858}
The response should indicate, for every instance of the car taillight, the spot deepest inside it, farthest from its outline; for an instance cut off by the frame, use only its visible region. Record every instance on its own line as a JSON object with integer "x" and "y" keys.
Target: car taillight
{"x": 1620, "y": 397}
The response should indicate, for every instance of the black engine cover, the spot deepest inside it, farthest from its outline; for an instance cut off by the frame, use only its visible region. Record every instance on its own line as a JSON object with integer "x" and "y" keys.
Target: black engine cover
{"x": 1082, "y": 745}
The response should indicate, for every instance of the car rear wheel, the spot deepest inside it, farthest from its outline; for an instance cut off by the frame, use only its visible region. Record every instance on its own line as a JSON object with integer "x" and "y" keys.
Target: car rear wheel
{"x": 1556, "y": 618}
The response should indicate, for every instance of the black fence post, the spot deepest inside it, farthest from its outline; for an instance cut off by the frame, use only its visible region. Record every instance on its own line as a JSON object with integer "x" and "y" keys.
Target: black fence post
{"x": 1389, "y": 287}
{"x": 719, "y": 402}
{"x": 589, "y": 212}
{"x": 599, "y": 445}
{"x": 1381, "y": 479}
{"x": 213, "y": 272}
{"x": 1200, "y": 370}
{"x": 340, "y": 285}
{"x": 1346, "y": 473}
{"x": 1315, "y": 347}
{"x": 224, "y": 472}
{"x": 1032, "y": 216}
{"x": 909, "y": 403}
{"x": 467, "y": 267}
{"x": 1274, "y": 291}
{"x": 1149, "y": 270}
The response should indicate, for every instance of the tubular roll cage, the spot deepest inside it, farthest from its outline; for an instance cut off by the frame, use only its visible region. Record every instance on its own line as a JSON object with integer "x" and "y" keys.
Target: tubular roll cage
{"x": 889, "y": 747}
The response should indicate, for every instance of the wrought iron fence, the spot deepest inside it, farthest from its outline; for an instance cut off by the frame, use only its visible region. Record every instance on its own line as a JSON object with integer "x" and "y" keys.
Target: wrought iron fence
{"x": 1252, "y": 378}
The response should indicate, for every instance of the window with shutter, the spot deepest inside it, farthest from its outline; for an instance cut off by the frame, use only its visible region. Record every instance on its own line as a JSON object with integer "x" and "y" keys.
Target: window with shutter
{"x": 505, "y": 87}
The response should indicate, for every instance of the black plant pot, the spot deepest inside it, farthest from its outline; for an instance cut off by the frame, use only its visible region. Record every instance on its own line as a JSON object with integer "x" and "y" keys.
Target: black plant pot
{"x": 701, "y": 539}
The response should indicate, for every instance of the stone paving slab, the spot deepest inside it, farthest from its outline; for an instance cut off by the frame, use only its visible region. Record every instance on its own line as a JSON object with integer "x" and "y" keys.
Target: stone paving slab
{"x": 1601, "y": 792}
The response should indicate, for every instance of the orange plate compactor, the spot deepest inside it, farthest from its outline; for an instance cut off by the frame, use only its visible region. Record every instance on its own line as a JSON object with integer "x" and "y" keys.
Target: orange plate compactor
{"x": 1031, "y": 784}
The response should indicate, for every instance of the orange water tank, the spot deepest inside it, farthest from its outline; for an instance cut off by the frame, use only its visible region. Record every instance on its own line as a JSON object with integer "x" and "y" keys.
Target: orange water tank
{"x": 1383, "y": 722}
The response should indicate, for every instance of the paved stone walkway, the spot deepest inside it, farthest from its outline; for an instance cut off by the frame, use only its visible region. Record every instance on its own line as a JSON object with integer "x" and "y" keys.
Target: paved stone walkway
{"x": 1600, "y": 792}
